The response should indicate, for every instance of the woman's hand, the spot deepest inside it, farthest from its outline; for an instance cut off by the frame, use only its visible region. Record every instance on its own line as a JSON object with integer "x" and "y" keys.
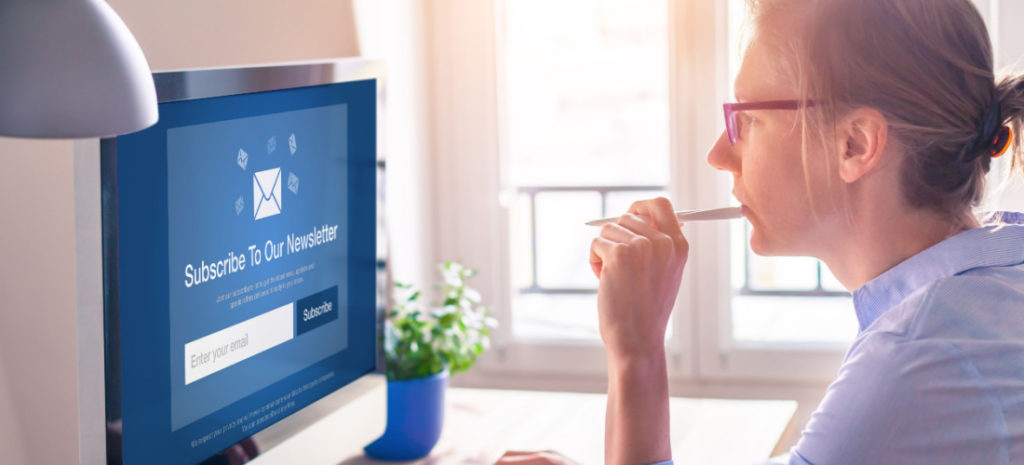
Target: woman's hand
{"x": 640, "y": 261}
{"x": 548, "y": 457}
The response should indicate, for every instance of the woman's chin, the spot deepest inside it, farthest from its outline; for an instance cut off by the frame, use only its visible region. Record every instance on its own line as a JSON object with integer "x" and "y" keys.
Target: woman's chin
{"x": 762, "y": 245}
{"x": 775, "y": 246}
{"x": 757, "y": 245}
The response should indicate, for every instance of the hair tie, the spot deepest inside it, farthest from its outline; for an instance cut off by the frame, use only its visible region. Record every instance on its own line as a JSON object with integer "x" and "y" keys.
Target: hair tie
{"x": 992, "y": 134}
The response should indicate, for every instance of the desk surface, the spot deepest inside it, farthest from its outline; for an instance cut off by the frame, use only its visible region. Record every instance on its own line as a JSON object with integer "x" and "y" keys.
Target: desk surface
{"x": 481, "y": 424}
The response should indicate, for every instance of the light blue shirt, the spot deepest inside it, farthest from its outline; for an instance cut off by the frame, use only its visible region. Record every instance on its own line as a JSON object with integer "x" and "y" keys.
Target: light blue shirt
{"x": 936, "y": 374}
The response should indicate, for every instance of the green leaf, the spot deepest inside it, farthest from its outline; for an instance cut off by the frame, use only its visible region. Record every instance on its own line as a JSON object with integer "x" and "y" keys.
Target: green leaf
{"x": 449, "y": 319}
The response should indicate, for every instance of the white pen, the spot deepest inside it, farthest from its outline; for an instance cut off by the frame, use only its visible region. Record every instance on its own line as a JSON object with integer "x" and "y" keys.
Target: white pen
{"x": 727, "y": 213}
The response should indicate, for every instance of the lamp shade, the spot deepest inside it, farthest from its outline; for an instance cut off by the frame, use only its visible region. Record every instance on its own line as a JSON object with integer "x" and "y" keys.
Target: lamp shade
{"x": 71, "y": 69}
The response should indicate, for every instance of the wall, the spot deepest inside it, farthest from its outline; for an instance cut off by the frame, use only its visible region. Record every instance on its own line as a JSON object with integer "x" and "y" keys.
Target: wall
{"x": 38, "y": 404}
{"x": 397, "y": 36}
{"x": 198, "y": 34}
{"x": 37, "y": 318}
{"x": 10, "y": 441}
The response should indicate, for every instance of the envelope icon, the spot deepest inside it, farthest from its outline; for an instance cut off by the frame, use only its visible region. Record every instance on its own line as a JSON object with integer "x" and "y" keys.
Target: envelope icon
{"x": 266, "y": 193}
{"x": 271, "y": 144}
{"x": 243, "y": 158}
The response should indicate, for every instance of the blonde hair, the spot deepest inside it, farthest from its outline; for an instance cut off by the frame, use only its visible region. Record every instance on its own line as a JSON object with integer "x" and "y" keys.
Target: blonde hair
{"x": 926, "y": 65}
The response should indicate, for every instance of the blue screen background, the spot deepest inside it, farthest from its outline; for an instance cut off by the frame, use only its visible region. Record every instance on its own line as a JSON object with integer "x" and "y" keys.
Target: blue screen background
{"x": 177, "y": 184}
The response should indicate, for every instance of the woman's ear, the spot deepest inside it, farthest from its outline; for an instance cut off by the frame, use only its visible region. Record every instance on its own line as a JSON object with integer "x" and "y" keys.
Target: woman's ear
{"x": 863, "y": 134}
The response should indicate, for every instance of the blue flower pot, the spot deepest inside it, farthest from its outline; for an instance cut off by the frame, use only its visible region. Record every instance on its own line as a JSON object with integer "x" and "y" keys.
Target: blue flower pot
{"x": 415, "y": 417}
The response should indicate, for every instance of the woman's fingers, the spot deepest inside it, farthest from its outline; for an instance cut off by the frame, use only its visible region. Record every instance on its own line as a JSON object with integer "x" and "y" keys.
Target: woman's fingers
{"x": 631, "y": 226}
{"x": 617, "y": 232}
{"x": 664, "y": 217}
{"x": 638, "y": 225}
{"x": 660, "y": 211}
{"x": 533, "y": 458}
{"x": 599, "y": 249}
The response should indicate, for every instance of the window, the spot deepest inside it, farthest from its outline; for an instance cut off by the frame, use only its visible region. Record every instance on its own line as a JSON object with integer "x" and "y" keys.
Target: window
{"x": 786, "y": 299}
{"x": 585, "y": 87}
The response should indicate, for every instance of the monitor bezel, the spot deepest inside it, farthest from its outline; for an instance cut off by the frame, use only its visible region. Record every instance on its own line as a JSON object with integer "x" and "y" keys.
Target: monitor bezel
{"x": 182, "y": 85}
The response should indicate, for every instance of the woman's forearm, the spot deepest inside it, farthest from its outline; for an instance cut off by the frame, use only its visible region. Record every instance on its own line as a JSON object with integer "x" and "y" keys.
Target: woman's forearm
{"x": 637, "y": 419}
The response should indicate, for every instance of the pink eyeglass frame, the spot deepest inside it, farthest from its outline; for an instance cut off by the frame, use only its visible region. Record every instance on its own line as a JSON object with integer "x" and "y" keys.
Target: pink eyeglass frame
{"x": 730, "y": 110}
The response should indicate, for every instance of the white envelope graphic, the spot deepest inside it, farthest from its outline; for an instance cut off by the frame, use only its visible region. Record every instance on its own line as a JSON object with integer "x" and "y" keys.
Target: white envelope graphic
{"x": 266, "y": 192}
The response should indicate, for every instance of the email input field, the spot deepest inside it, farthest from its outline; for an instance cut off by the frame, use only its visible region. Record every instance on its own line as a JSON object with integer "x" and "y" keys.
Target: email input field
{"x": 217, "y": 351}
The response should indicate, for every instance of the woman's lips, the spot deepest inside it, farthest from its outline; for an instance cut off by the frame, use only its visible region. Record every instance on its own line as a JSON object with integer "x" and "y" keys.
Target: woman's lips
{"x": 743, "y": 207}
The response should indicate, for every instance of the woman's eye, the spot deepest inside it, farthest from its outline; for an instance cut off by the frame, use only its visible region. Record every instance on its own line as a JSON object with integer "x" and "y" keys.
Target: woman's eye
{"x": 746, "y": 121}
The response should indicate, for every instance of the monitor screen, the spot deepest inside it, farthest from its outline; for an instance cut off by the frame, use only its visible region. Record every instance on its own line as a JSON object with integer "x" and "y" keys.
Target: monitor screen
{"x": 241, "y": 265}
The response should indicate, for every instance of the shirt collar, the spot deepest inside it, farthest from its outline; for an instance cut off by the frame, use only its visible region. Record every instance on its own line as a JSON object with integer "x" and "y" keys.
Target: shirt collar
{"x": 998, "y": 242}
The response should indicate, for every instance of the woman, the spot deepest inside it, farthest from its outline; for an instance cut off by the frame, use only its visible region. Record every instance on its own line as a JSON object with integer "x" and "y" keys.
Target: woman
{"x": 864, "y": 134}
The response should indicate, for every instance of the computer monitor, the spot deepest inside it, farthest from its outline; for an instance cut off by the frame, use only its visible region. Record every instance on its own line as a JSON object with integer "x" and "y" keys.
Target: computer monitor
{"x": 240, "y": 258}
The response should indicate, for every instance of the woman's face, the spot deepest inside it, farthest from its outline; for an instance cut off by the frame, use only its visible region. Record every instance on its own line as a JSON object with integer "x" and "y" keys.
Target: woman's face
{"x": 765, "y": 162}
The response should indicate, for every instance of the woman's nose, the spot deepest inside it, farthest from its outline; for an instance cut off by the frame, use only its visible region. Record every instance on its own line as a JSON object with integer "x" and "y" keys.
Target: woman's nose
{"x": 722, "y": 156}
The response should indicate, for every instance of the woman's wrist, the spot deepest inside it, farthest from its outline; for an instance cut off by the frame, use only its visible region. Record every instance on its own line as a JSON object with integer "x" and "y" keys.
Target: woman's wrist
{"x": 633, "y": 346}
{"x": 635, "y": 355}
{"x": 647, "y": 365}
{"x": 637, "y": 421}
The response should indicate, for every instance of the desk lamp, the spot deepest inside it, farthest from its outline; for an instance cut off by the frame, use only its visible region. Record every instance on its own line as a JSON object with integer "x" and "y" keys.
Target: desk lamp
{"x": 71, "y": 69}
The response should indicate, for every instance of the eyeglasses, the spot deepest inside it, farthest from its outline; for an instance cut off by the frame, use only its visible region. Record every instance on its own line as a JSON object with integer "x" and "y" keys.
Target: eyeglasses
{"x": 733, "y": 124}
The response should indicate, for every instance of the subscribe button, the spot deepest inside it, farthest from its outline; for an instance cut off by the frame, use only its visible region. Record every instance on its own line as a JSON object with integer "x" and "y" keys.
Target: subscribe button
{"x": 316, "y": 310}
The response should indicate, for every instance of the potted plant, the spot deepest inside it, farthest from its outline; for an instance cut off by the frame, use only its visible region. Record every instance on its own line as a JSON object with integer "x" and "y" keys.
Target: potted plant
{"x": 422, "y": 347}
